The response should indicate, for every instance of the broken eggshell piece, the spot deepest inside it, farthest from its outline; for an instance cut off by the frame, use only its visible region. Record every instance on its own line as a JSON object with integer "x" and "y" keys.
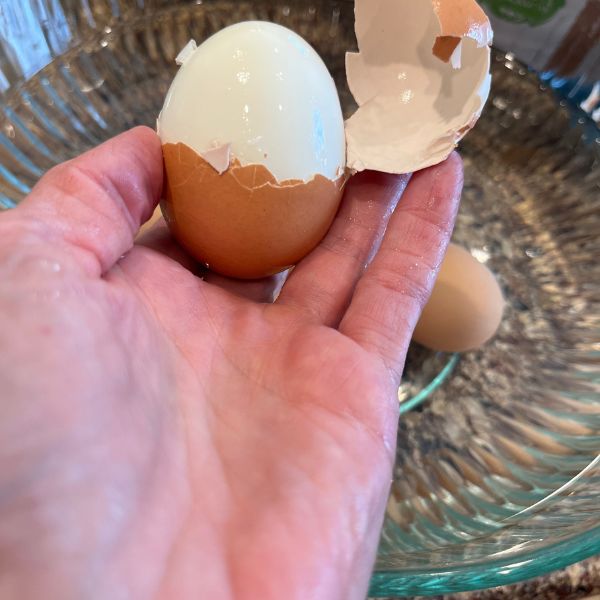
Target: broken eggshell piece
{"x": 421, "y": 79}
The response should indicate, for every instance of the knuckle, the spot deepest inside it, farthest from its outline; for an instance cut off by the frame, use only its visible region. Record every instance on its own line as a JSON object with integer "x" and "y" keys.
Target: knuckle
{"x": 413, "y": 285}
{"x": 345, "y": 246}
{"x": 354, "y": 240}
{"x": 70, "y": 179}
{"x": 17, "y": 231}
{"x": 87, "y": 197}
{"x": 428, "y": 219}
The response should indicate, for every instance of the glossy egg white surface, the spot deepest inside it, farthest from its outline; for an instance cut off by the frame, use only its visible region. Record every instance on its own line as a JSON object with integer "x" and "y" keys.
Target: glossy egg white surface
{"x": 263, "y": 89}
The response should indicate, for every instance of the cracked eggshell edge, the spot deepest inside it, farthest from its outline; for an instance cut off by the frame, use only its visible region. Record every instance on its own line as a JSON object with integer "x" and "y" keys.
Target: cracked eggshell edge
{"x": 403, "y": 123}
{"x": 227, "y": 229}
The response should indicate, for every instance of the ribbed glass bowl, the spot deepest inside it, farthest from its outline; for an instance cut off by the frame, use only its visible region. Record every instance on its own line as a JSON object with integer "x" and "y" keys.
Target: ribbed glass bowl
{"x": 498, "y": 469}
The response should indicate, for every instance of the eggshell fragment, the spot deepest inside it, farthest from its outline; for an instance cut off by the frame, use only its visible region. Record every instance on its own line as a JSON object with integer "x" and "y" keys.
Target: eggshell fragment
{"x": 148, "y": 225}
{"x": 421, "y": 80}
{"x": 186, "y": 53}
{"x": 244, "y": 223}
{"x": 218, "y": 158}
{"x": 466, "y": 307}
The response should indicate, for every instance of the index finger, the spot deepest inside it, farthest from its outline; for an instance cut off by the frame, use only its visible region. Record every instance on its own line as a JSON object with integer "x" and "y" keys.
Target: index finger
{"x": 390, "y": 296}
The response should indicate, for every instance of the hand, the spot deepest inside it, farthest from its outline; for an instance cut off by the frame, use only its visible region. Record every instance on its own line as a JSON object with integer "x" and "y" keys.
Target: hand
{"x": 165, "y": 436}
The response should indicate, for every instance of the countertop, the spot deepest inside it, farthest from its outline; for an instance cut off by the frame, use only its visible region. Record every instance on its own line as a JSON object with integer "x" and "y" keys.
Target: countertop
{"x": 578, "y": 582}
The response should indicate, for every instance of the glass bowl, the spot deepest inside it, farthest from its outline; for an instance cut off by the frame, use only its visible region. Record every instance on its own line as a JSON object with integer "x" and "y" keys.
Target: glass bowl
{"x": 498, "y": 467}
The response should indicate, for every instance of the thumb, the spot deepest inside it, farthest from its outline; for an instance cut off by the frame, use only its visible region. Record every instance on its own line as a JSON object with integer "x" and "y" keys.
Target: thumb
{"x": 96, "y": 203}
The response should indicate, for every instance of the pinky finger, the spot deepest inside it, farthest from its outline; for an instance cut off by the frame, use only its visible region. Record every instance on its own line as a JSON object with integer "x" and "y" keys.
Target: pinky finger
{"x": 390, "y": 296}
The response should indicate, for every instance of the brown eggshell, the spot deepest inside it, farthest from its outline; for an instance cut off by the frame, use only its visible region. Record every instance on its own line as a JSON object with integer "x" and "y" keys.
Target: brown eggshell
{"x": 244, "y": 223}
{"x": 466, "y": 307}
{"x": 460, "y": 19}
{"x": 463, "y": 18}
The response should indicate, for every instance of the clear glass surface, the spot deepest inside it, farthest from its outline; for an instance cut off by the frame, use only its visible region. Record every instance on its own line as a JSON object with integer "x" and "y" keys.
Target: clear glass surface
{"x": 498, "y": 474}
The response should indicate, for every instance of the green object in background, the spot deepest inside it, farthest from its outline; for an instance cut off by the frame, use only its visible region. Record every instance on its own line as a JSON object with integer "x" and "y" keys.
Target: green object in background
{"x": 531, "y": 12}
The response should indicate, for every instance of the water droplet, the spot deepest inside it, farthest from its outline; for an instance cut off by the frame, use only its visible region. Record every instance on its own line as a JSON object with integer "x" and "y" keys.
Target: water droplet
{"x": 407, "y": 96}
{"x": 243, "y": 77}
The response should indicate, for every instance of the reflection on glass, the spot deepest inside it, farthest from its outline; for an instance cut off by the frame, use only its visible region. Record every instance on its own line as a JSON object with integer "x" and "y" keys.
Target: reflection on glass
{"x": 31, "y": 32}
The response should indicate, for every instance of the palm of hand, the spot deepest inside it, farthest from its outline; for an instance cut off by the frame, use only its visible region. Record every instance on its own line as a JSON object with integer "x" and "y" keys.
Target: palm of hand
{"x": 211, "y": 445}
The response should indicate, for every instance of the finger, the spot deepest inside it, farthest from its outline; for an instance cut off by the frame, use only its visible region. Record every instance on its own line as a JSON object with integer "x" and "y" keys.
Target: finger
{"x": 94, "y": 204}
{"x": 390, "y": 296}
{"x": 157, "y": 237}
{"x": 323, "y": 283}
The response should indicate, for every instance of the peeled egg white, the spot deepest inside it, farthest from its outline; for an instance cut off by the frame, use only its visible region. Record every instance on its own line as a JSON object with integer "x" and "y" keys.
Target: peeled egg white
{"x": 265, "y": 91}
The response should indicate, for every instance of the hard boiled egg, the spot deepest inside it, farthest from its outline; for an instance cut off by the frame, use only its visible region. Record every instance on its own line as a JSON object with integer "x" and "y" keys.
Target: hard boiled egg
{"x": 466, "y": 307}
{"x": 254, "y": 146}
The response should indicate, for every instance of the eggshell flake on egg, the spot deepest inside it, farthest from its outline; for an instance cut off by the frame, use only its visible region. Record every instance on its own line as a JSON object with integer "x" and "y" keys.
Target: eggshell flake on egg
{"x": 254, "y": 147}
{"x": 421, "y": 79}
{"x": 244, "y": 223}
{"x": 465, "y": 308}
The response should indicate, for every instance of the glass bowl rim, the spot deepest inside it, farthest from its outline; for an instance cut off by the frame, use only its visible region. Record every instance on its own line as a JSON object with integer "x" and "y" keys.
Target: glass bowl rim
{"x": 517, "y": 567}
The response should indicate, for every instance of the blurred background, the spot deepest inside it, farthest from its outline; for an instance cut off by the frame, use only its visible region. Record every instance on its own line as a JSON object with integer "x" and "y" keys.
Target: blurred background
{"x": 558, "y": 38}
